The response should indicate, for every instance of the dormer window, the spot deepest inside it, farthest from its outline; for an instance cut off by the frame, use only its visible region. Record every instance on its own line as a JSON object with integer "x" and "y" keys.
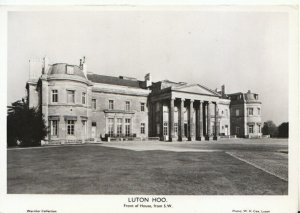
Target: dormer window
{"x": 111, "y": 104}
{"x": 127, "y": 106}
{"x": 70, "y": 70}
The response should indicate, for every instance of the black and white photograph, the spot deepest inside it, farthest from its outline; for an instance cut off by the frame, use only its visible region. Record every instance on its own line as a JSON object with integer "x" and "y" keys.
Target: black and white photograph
{"x": 151, "y": 104}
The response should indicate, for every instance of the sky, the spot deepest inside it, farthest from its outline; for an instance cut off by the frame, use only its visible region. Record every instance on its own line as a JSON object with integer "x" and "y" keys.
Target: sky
{"x": 244, "y": 50}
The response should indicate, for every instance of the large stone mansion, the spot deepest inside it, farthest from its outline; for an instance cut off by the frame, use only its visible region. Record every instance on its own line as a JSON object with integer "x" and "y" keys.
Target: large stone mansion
{"x": 79, "y": 106}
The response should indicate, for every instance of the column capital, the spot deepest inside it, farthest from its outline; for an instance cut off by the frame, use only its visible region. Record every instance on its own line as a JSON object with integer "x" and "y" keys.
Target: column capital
{"x": 182, "y": 99}
{"x": 201, "y": 101}
{"x": 192, "y": 100}
{"x": 172, "y": 99}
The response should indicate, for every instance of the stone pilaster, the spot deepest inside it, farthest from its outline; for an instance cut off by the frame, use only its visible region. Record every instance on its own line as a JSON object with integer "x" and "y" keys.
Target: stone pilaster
{"x": 216, "y": 122}
{"x": 161, "y": 121}
{"x": 123, "y": 126}
{"x": 115, "y": 125}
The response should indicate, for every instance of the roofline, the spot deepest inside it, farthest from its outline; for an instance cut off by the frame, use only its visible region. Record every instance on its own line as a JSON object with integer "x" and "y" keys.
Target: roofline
{"x": 238, "y": 93}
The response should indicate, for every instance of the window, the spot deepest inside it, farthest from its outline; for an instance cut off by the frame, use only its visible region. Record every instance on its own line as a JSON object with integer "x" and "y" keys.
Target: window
{"x": 142, "y": 128}
{"x": 119, "y": 126}
{"x": 54, "y": 127}
{"x": 237, "y": 112}
{"x": 165, "y": 128}
{"x": 176, "y": 128}
{"x": 94, "y": 103}
{"x": 250, "y": 128}
{"x": 143, "y": 107}
{"x": 110, "y": 104}
{"x": 237, "y": 130}
{"x": 127, "y": 106}
{"x": 70, "y": 127}
{"x": 259, "y": 129}
{"x": 110, "y": 126}
{"x": 54, "y": 96}
{"x": 83, "y": 98}
{"x": 258, "y": 111}
{"x": 127, "y": 126}
{"x": 250, "y": 111}
{"x": 70, "y": 70}
{"x": 71, "y": 96}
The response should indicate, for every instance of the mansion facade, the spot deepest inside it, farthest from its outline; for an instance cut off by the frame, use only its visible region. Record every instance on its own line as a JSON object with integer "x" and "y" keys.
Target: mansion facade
{"x": 79, "y": 106}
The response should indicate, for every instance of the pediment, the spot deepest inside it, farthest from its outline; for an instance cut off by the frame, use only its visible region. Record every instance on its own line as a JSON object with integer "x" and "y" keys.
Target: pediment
{"x": 196, "y": 89}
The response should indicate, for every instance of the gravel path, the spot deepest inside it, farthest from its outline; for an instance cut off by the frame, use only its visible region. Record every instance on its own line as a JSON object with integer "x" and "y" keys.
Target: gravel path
{"x": 271, "y": 162}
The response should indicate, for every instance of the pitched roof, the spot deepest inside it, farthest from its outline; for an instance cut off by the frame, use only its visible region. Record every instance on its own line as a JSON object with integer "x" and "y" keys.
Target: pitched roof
{"x": 114, "y": 80}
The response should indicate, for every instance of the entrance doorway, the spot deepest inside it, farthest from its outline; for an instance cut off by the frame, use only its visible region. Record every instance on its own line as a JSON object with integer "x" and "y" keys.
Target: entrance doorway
{"x": 185, "y": 129}
{"x": 226, "y": 130}
{"x": 93, "y": 132}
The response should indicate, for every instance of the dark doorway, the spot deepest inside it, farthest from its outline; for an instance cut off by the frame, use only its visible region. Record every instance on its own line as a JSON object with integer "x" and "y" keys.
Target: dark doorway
{"x": 185, "y": 129}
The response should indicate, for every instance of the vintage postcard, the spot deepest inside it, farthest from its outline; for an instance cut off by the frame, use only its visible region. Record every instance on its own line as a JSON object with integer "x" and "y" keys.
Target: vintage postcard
{"x": 150, "y": 109}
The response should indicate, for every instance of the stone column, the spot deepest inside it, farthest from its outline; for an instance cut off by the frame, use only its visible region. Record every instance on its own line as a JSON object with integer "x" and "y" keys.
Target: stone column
{"x": 192, "y": 125}
{"x": 171, "y": 120}
{"x": 161, "y": 121}
{"x": 201, "y": 120}
{"x": 205, "y": 119}
{"x": 197, "y": 121}
{"x": 181, "y": 121}
{"x": 208, "y": 121}
{"x": 216, "y": 121}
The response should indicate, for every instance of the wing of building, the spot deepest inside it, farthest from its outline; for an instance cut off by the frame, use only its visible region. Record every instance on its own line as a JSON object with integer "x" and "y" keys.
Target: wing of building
{"x": 79, "y": 106}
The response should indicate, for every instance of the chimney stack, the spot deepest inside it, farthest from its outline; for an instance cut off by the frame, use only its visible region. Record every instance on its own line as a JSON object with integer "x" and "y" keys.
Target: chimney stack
{"x": 83, "y": 66}
{"x": 223, "y": 90}
{"x": 45, "y": 65}
{"x": 148, "y": 80}
{"x": 80, "y": 63}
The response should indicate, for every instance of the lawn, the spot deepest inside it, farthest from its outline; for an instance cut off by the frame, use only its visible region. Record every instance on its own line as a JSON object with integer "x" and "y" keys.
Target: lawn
{"x": 95, "y": 169}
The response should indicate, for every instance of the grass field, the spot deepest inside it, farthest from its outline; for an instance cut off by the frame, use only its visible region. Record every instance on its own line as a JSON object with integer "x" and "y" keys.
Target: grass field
{"x": 96, "y": 169}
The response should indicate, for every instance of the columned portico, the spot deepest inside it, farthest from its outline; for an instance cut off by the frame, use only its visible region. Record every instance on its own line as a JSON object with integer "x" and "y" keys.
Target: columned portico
{"x": 184, "y": 114}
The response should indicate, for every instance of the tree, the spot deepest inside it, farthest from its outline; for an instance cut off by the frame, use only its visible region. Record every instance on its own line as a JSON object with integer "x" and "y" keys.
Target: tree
{"x": 270, "y": 128}
{"x": 283, "y": 130}
{"x": 25, "y": 125}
